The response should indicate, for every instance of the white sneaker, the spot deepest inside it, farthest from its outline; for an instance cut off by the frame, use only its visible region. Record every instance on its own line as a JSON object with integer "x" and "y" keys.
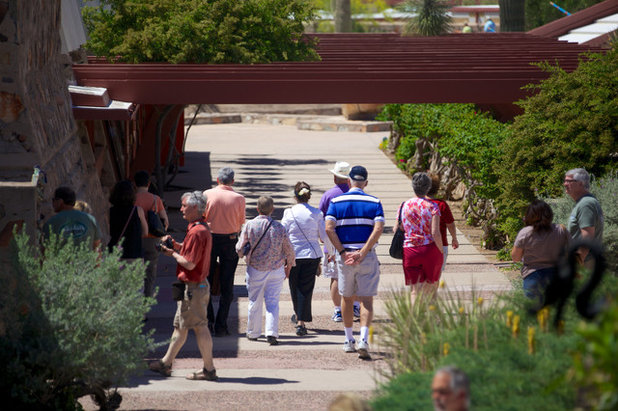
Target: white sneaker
{"x": 348, "y": 346}
{"x": 363, "y": 350}
{"x": 337, "y": 316}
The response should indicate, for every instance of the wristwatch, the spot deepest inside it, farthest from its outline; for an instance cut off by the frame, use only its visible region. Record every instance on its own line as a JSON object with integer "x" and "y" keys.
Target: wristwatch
{"x": 342, "y": 251}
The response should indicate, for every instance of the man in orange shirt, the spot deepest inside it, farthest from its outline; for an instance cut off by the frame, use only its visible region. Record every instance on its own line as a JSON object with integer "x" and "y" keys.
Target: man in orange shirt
{"x": 149, "y": 201}
{"x": 225, "y": 215}
{"x": 193, "y": 261}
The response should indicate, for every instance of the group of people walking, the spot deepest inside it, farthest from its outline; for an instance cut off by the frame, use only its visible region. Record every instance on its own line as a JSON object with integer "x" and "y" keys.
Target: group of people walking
{"x": 338, "y": 239}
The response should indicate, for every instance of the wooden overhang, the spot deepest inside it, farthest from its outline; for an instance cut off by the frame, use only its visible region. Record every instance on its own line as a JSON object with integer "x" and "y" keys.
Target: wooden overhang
{"x": 354, "y": 68}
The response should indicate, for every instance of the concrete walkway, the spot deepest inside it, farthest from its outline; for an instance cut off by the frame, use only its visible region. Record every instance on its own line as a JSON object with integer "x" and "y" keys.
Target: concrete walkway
{"x": 302, "y": 372}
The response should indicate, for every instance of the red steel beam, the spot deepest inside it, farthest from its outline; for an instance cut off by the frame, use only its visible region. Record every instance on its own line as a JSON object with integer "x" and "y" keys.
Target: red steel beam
{"x": 355, "y": 68}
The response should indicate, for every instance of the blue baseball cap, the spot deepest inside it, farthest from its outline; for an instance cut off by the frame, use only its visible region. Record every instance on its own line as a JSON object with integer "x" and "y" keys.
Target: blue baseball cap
{"x": 358, "y": 173}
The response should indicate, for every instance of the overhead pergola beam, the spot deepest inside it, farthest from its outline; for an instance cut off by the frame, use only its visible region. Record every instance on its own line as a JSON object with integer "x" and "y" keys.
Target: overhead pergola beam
{"x": 355, "y": 68}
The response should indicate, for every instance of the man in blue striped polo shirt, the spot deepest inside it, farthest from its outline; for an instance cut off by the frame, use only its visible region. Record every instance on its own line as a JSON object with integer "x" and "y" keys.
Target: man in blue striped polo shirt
{"x": 354, "y": 223}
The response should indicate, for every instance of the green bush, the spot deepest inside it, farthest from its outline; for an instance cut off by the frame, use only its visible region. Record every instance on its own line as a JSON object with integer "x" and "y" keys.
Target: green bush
{"x": 91, "y": 310}
{"x": 33, "y": 362}
{"x": 571, "y": 122}
{"x": 596, "y": 360}
{"x": 457, "y": 141}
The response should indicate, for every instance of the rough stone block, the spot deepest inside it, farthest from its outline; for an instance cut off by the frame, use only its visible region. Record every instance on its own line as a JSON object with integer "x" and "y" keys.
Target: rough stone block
{"x": 11, "y": 107}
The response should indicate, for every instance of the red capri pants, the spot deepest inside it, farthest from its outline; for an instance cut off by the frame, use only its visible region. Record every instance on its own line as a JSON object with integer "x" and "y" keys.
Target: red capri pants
{"x": 422, "y": 264}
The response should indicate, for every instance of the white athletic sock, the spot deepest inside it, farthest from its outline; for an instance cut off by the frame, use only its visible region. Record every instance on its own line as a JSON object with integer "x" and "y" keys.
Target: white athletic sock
{"x": 364, "y": 335}
{"x": 338, "y": 308}
{"x": 349, "y": 334}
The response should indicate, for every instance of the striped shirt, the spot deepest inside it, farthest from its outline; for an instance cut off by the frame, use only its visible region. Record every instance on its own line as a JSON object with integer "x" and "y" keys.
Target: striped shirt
{"x": 355, "y": 214}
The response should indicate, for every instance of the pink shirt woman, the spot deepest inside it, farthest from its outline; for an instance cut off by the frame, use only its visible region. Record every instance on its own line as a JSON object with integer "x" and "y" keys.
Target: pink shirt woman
{"x": 422, "y": 245}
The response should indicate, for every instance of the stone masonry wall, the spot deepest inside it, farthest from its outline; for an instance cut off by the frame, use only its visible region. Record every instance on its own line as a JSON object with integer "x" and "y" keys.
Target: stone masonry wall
{"x": 36, "y": 119}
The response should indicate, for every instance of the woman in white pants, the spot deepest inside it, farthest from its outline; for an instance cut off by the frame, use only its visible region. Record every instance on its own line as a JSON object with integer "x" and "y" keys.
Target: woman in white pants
{"x": 270, "y": 257}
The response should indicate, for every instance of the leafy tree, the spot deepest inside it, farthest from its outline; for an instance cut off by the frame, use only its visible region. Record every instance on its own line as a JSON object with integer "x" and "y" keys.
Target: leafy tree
{"x": 78, "y": 326}
{"x": 189, "y": 31}
{"x": 431, "y": 19}
{"x": 198, "y": 31}
{"x": 571, "y": 122}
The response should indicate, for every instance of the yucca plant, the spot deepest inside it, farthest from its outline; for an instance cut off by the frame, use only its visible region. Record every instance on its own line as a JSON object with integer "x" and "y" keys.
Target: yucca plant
{"x": 432, "y": 18}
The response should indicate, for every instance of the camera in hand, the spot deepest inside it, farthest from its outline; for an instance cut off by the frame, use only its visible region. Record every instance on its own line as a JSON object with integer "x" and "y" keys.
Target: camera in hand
{"x": 169, "y": 243}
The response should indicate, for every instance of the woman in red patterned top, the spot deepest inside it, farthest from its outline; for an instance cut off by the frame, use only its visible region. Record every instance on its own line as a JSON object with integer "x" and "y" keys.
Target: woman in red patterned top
{"x": 422, "y": 245}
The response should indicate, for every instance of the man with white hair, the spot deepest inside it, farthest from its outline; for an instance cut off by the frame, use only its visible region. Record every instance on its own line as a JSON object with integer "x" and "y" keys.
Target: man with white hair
{"x": 225, "y": 215}
{"x": 450, "y": 390}
{"x": 193, "y": 261}
{"x": 586, "y": 220}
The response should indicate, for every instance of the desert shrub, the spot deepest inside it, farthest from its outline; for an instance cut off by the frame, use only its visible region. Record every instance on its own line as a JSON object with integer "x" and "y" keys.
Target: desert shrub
{"x": 92, "y": 312}
{"x": 528, "y": 362}
{"x": 33, "y": 362}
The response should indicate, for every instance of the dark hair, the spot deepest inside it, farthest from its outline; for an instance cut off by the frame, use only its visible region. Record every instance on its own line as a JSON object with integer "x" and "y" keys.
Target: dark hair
{"x": 123, "y": 194}
{"x": 539, "y": 215}
{"x": 142, "y": 178}
{"x": 66, "y": 194}
{"x": 435, "y": 184}
{"x": 302, "y": 198}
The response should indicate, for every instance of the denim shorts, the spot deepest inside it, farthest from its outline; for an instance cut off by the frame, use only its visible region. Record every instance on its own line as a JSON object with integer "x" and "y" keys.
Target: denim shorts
{"x": 535, "y": 283}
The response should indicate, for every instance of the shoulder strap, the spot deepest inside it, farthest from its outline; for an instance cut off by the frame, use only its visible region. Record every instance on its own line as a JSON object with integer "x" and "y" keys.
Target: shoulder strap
{"x": 127, "y": 223}
{"x": 262, "y": 236}
{"x": 400, "y": 210}
{"x": 302, "y": 232}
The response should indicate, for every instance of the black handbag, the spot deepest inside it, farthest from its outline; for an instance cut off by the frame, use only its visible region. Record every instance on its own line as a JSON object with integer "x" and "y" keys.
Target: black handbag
{"x": 155, "y": 226}
{"x": 396, "y": 249}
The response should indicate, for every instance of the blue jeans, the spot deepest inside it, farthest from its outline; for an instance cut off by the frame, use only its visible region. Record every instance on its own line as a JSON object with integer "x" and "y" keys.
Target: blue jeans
{"x": 536, "y": 283}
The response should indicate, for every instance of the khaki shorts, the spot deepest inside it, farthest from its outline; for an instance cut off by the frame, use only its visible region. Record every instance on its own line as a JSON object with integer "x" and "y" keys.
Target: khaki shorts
{"x": 191, "y": 312}
{"x": 361, "y": 279}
